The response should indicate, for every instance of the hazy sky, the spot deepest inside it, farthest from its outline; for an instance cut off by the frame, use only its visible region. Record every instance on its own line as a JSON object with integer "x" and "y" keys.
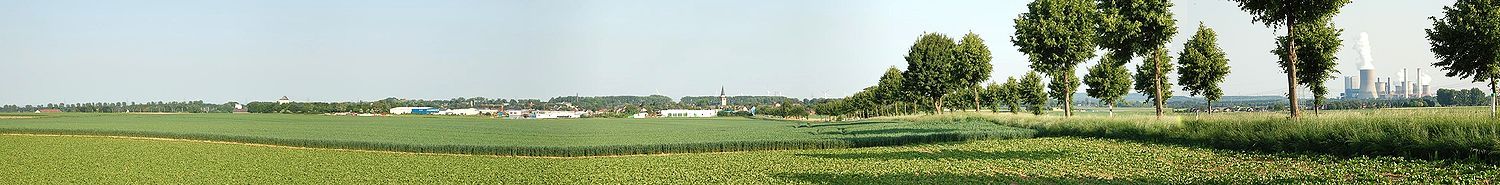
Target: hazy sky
{"x": 167, "y": 50}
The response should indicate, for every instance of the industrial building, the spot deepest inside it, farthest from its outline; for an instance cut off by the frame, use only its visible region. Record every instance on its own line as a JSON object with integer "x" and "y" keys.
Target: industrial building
{"x": 1371, "y": 87}
{"x": 414, "y": 110}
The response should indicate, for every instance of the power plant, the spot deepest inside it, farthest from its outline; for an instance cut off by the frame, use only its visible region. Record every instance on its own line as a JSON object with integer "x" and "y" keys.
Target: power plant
{"x": 1371, "y": 87}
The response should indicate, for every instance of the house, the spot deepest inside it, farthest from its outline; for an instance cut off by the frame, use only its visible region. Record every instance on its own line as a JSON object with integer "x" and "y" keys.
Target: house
{"x": 682, "y": 113}
{"x": 49, "y": 111}
{"x": 283, "y": 100}
{"x": 414, "y": 110}
{"x": 640, "y": 115}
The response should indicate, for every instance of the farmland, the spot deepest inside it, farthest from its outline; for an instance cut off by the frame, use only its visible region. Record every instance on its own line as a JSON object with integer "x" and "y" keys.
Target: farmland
{"x": 953, "y": 148}
{"x": 39, "y": 159}
{"x": 471, "y": 135}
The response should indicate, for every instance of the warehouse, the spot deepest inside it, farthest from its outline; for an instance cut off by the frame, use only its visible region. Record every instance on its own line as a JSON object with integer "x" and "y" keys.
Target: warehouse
{"x": 414, "y": 110}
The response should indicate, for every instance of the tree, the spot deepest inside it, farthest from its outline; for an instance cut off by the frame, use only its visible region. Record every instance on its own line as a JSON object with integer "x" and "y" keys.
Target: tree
{"x": 1011, "y": 95}
{"x": 1032, "y": 93}
{"x": 1109, "y": 81}
{"x": 973, "y": 65}
{"x": 961, "y": 98}
{"x": 1203, "y": 66}
{"x": 1467, "y": 43}
{"x": 1056, "y": 36}
{"x": 992, "y": 96}
{"x": 1318, "y": 44}
{"x": 1289, "y": 13}
{"x": 1150, "y": 83}
{"x": 888, "y": 91}
{"x": 929, "y": 69}
{"x": 1138, "y": 28}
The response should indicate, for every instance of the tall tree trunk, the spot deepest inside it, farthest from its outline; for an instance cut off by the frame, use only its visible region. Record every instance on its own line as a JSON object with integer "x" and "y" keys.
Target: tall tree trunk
{"x": 1111, "y": 109}
{"x": 1157, "y": 77}
{"x": 1291, "y": 75}
{"x": 976, "y": 99}
{"x": 937, "y": 105}
{"x": 1067, "y": 102}
{"x": 1068, "y": 98}
{"x": 1210, "y": 106}
{"x": 1493, "y": 98}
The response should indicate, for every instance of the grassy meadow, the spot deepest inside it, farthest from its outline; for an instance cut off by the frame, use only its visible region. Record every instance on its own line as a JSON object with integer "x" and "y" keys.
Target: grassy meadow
{"x": 1059, "y": 160}
{"x": 477, "y": 135}
{"x": 1466, "y": 133}
{"x": 1409, "y": 146}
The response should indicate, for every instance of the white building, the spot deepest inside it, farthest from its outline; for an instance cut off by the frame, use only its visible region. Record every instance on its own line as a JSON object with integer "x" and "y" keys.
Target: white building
{"x": 640, "y": 115}
{"x": 283, "y": 100}
{"x": 558, "y": 114}
{"x": 466, "y": 112}
{"x": 682, "y": 113}
{"x": 406, "y": 110}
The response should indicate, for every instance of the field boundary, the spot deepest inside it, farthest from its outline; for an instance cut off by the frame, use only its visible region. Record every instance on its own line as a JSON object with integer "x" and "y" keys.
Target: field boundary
{"x": 1401, "y": 135}
{"x": 350, "y": 150}
{"x": 531, "y": 151}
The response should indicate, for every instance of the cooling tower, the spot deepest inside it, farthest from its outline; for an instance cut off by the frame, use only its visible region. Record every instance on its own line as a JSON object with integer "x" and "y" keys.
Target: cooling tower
{"x": 1367, "y": 83}
{"x": 1367, "y": 86}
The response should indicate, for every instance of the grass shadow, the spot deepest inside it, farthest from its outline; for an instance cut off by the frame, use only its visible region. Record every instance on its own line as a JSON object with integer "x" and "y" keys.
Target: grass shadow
{"x": 851, "y": 123}
{"x": 891, "y": 131}
{"x": 948, "y": 154}
{"x": 950, "y": 178}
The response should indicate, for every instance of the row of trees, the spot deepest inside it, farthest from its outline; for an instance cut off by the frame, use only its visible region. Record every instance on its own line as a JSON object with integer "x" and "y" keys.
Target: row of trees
{"x": 1059, "y": 35}
{"x": 184, "y": 107}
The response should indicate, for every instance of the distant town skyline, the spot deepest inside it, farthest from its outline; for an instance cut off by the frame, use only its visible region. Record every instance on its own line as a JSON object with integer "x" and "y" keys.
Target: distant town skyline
{"x": 77, "y": 51}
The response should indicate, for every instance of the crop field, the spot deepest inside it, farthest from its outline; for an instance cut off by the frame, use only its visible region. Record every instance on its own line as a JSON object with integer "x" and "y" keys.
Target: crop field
{"x": 473, "y": 135}
{"x": 1417, "y": 146}
{"x": 1466, "y": 133}
{"x": 1064, "y": 160}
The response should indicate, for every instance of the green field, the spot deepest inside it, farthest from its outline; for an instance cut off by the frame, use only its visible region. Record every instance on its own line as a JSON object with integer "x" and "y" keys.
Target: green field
{"x": 476, "y": 135}
{"x": 48, "y": 159}
{"x": 1461, "y": 133}
{"x": 1419, "y": 146}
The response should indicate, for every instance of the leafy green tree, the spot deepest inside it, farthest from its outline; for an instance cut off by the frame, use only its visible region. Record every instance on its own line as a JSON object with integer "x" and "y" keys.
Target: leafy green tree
{"x": 1288, "y": 14}
{"x": 960, "y": 99}
{"x": 1138, "y": 28}
{"x": 1010, "y": 95}
{"x": 888, "y": 91}
{"x": 973, "y": 65}
{"x": 1148, "y": 82}
{"x": 1032, "y": 93}
{"x": 929, "y": 69}
{"x": 1203, "y": 65}
{"x": 1467, "y": 43}
{"x": 1318, "y": 46}
{"x": 992, "y": 96}
{"x": 1057, "y": 35}
{"x": 1109, "y": 81}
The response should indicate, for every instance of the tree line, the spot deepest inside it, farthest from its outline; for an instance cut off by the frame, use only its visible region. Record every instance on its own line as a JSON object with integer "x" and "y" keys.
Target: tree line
{"x": 1059, "y": 35}
{"x": 158, "y": 106}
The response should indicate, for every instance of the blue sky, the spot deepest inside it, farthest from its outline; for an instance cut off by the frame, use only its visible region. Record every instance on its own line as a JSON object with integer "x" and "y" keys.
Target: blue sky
{"x": 325, "y": 50}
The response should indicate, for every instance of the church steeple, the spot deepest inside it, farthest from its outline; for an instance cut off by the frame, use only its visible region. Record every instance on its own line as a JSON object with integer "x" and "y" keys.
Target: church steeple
{"x": 723, "y": 100}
